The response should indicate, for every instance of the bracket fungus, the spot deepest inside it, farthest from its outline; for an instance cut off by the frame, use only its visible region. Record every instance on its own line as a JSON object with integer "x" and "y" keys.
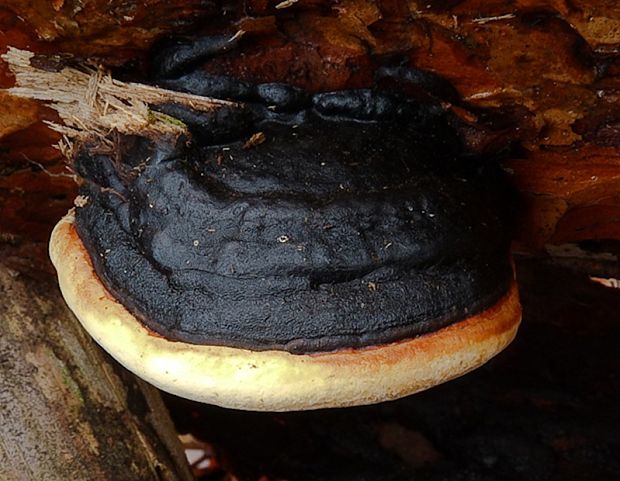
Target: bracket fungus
{"x": 350, "y": 255}
{"x": 336, "y": 263}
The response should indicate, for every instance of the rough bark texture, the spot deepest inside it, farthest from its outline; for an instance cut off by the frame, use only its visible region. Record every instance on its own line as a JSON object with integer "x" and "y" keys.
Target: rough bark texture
{"x": 66, "y": 411}
{"x": 539, "y": 78}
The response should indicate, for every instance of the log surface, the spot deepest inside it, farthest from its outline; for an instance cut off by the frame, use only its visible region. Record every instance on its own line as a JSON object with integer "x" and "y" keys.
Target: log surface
{"x": 66, "y": 412}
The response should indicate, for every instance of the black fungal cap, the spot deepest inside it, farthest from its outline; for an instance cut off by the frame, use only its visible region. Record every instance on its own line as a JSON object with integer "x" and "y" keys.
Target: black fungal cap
{"x": 334, "y": 232}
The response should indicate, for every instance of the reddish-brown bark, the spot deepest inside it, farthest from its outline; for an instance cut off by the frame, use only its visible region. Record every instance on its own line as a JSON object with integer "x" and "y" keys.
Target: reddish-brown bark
{"x": 541, "y": 74}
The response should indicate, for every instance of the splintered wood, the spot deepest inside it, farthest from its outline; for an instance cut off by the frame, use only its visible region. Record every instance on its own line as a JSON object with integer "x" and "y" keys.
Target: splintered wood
{"x": 91, "y": 103}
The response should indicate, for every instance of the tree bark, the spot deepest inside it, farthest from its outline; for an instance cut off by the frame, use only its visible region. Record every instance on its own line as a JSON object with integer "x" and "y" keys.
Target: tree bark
{"x": 67, "y": 412}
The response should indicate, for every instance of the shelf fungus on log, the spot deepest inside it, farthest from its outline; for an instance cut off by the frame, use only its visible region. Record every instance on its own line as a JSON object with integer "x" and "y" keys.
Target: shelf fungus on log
{"x": 335, "y": 250}
{"x": 336, "y": 263}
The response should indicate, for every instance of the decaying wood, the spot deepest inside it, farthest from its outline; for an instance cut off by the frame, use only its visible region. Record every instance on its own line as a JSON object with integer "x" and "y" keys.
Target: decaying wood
{"x": 98, "y": 27}
{"x": 558, "y": 105}
{"x": 90, "y": 102}
{"x": 66, "y": 411}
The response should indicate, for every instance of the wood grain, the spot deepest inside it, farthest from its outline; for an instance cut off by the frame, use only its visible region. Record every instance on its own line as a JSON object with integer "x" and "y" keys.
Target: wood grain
{"x": 66, "y": 412}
